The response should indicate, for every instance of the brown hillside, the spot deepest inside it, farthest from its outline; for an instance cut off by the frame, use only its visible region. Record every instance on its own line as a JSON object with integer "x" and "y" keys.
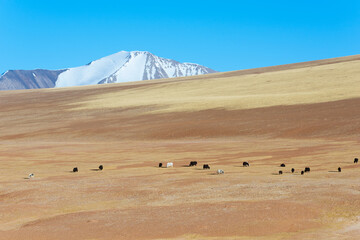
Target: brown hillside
{"x": 303, "y": 114}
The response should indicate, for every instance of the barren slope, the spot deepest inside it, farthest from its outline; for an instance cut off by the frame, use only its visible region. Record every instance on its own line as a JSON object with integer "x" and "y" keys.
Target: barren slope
{"x": 301, "y": 114}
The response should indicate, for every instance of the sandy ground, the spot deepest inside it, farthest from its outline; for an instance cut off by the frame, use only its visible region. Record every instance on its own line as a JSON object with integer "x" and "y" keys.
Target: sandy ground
{"x": 130, "y": 128}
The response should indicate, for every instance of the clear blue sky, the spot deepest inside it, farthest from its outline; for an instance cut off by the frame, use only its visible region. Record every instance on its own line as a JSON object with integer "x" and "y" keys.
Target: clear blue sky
{"x": 223, "y": 35}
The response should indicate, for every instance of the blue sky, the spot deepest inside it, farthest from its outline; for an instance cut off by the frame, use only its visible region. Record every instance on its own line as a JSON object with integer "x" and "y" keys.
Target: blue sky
{"x": 223, "y": 35}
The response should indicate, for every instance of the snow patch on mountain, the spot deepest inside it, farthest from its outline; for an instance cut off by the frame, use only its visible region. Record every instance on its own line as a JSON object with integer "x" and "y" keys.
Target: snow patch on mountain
{"x": 4, "y": 73}
{"x": 132, "y": 70}
{"x": 93, "y": 72}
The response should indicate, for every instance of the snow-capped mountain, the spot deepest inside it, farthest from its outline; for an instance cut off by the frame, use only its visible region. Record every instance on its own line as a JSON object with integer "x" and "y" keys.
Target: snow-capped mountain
{"x": 119, "y": 67}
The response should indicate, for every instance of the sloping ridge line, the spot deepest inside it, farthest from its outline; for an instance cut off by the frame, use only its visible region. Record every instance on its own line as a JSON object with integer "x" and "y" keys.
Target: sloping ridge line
{"x": 290, "y": 66}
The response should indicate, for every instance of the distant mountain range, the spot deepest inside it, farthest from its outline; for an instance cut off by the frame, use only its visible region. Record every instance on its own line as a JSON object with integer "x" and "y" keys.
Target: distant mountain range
{"x": 119, "y": 67}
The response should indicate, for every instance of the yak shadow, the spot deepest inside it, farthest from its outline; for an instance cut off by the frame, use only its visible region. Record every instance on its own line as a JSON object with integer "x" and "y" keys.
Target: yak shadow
{"x": 95, "y": 169}
{"x": 333, "y": 171}
{"x": 299, "y": 173}
{"x": 188, "y": 166}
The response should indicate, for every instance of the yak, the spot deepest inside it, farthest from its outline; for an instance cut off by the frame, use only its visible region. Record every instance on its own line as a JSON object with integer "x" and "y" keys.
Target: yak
{"x": 206, "y": 166}
{"x": 193, "y": 163}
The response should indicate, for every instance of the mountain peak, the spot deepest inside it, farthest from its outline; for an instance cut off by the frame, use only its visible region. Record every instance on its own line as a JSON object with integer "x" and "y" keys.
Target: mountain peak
{"x": 123, "y": 66}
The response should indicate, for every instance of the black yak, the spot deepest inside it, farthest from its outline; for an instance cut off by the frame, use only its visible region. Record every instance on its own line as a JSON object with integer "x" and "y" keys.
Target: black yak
{"x": 75, "y": 169}
{"x": 206, "y": 166}
{"x": 280, "y": 172}
{"x": 356, "y": 160}
{"x": 246, "y": 164}
{"x": 307, "y": 169}
{"x": 160, "y": 164}
{"x": 292, "y": 170}
{"x": 101, "y": 167}
{"x": 193, "y": 163}
{"x": 282, "y": 165}
{"x": 339, "y": 169}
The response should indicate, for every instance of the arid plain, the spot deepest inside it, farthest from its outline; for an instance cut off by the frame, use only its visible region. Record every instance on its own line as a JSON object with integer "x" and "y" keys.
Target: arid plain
{"x": 305, "y": 114}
